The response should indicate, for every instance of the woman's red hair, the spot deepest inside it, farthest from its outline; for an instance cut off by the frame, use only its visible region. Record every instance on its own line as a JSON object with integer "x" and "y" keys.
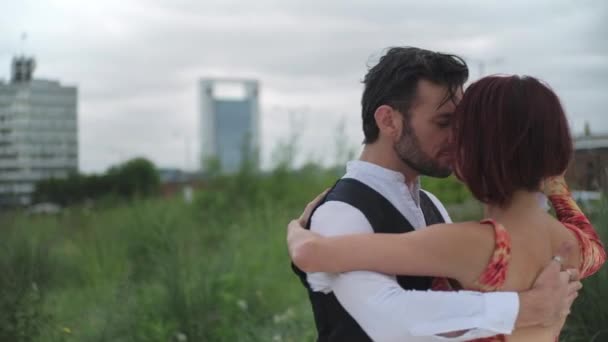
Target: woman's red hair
{"x": 510, "y": 132}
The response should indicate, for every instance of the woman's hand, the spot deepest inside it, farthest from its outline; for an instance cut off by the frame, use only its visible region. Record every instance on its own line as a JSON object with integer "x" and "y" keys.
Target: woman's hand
{"x": 303, "y": 219}
{"x": 554, "y": 185}
{"x": 301, "y": 244}
{"x": 300, "y": 241}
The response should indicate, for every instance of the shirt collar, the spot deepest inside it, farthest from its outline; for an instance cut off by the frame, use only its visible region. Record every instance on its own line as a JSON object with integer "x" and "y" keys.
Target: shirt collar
{"x": 367, "y": 169}
{"x": 375, "y": 170}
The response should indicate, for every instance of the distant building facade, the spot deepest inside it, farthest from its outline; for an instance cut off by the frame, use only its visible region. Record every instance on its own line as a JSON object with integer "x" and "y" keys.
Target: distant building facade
{"x": 38, "y": 132}
{"x": 229, "y": 126}
{"x": 589, "y": 167}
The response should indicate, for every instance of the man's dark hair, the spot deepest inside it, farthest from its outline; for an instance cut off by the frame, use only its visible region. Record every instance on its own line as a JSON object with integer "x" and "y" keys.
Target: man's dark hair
{"x": 394, "y": 79}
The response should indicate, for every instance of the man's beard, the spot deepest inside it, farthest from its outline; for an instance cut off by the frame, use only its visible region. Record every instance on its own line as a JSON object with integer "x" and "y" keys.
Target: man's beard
{"x": 409, "y": 151}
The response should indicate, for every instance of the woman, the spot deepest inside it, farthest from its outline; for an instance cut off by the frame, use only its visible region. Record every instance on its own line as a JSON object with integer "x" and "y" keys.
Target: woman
{"x": 510, "y": 133}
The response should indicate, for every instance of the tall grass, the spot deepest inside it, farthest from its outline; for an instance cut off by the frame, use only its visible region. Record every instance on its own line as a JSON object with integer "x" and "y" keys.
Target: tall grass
{"x": 161, "y": 270}
{"x": 164, "y": 270}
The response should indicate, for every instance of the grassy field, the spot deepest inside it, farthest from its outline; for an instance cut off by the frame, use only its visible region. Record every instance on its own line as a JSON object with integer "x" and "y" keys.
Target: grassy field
{"x": 164, "y": 270}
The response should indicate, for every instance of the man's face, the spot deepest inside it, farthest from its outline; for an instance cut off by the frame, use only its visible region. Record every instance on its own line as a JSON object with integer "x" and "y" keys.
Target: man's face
{"x": 424, "y": 144}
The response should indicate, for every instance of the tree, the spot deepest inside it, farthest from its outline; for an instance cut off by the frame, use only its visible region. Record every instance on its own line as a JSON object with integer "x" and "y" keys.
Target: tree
{"x": 136, "y": 177}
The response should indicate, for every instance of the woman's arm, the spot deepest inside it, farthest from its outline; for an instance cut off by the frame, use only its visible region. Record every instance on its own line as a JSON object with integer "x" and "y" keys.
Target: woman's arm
{"x": 592, "y": 252}
{"x": 460, "y": 251}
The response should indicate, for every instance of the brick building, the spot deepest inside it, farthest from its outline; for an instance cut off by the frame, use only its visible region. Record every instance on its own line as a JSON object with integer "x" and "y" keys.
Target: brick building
{"x": 589, "y": 167}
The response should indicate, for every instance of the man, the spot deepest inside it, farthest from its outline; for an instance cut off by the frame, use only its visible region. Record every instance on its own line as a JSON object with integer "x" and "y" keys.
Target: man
{"x": 407, "y": 105}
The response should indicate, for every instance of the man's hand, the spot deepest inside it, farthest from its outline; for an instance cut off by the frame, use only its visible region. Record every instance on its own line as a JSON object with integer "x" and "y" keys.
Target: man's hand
{"x": 549, "y": 300}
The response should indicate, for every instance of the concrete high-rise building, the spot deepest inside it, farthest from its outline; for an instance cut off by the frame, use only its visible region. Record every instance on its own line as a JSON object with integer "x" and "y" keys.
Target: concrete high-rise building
{"x": 229, "y": 125}
{"x": 38, "y": 132}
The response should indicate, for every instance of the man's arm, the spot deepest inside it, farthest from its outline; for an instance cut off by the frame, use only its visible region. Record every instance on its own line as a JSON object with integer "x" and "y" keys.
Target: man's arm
{"x": 387, "y": 312}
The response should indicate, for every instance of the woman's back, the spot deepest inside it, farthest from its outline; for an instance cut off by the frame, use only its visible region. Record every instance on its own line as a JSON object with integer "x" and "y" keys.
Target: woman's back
{"x": 534, "y": 238}
{"x": 526, "y": 238}
{"x": 519, "y": 256}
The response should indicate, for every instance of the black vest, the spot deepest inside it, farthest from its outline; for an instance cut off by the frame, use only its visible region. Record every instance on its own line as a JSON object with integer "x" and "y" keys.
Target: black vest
{"x": 333, "y": 323}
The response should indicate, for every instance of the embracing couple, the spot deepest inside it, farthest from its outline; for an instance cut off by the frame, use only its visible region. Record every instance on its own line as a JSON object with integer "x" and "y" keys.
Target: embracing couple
{"x": 509, "y": 277}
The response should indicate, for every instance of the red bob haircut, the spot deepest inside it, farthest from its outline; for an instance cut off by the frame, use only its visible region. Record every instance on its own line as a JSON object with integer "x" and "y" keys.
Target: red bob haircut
{"x": 510, "y": 132}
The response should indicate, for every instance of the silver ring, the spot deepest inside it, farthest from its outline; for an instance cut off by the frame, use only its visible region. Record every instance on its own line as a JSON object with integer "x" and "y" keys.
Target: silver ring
{"x": 570, "y": 275}
{"x": 558, "y": 259}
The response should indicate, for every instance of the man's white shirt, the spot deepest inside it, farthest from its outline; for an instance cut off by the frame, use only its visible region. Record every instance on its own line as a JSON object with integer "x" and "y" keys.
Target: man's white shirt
{"x": 384, "y": 310}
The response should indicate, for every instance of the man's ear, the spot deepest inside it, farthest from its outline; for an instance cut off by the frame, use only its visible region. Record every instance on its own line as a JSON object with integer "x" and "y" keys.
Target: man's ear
{"x": 388, "y": 121}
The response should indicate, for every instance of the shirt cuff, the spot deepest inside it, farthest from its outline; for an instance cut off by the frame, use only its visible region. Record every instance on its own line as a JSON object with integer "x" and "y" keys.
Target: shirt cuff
{"x": 496, "y": 316}
{"x": 501, "y": 309}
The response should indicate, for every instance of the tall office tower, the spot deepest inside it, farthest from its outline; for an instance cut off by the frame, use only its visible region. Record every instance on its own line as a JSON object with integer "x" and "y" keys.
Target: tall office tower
{"x": 229, "y": 124}
{"x": 38, "y": 132}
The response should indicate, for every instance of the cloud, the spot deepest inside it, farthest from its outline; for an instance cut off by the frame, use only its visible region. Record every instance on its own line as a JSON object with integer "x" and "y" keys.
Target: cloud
{"x": 137, "y": 63}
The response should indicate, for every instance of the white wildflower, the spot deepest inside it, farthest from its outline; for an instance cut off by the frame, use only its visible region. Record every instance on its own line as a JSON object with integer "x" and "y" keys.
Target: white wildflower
{"x": 242, "y": 304}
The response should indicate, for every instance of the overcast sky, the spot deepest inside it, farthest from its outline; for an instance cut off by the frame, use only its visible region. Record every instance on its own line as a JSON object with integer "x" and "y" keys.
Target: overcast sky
{"x": 136, "y": 63}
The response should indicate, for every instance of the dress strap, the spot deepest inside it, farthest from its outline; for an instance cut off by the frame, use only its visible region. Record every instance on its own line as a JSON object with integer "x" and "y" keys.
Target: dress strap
{"x": 495, "y": 274}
